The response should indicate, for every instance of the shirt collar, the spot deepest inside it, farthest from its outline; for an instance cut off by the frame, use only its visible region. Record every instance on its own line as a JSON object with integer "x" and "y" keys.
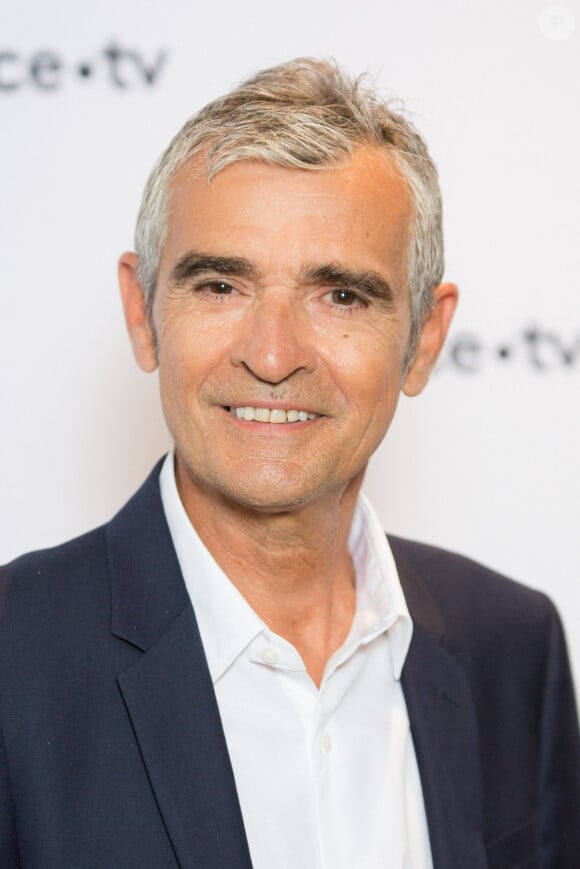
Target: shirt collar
{"x": 380, "y": 602}
{"x": 228, "y": 624}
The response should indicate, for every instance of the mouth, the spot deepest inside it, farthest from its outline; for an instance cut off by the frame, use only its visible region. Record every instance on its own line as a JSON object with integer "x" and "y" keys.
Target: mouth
{"x": 275, "y": 415}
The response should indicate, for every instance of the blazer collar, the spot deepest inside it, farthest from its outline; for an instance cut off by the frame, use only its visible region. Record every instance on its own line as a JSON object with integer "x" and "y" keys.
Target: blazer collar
{"x": 168, "y": 690}
{"x": 147, "y": 589}
{"x": 444, "y": 728}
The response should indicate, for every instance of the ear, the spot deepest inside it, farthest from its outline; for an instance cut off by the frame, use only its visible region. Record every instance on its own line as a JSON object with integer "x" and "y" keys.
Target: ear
{"x": 431, "y": 338}
{"x": 137, "y": 318}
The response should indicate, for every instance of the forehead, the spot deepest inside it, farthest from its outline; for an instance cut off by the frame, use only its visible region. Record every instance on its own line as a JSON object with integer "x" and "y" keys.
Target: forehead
{"x": 357, "y": 213}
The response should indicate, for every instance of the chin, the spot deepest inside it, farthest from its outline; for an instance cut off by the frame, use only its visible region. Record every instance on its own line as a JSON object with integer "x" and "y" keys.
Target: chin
{"x": 274, "y": 493}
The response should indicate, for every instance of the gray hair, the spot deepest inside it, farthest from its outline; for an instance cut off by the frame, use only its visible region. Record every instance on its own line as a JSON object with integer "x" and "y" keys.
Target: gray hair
{"x": 305, "y": 114}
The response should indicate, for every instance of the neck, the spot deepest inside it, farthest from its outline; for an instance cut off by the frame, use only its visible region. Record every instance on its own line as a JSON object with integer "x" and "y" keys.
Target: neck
{"x": 294, "y": 567}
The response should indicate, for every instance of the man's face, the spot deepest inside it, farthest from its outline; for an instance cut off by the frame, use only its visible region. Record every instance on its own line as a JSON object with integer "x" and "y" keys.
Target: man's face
{"x": 282, "y": 292}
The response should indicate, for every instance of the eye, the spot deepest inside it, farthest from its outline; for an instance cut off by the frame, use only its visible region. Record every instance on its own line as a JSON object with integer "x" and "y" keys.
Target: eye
{"x": 217, "y": 288}
{"x": 345, "y": 298}
{"x": 213, "y": 289}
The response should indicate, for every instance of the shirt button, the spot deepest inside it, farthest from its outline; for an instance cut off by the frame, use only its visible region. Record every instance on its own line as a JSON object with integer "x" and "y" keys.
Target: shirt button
{"x": 326, "y": 742}
{"x": 270, "y": 655}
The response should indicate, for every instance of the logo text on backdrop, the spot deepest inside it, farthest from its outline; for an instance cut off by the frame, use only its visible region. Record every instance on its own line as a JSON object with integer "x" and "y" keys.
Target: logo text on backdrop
{"x": 49, "y": 70}
{"x": 541, "y": 349}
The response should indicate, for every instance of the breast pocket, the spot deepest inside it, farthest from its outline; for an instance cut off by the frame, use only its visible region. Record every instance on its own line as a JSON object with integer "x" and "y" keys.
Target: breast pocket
{"x": 517, "y": 849}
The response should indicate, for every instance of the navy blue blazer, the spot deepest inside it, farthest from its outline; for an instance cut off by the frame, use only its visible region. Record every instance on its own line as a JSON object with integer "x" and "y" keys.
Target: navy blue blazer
{"x": 112, "y": 753}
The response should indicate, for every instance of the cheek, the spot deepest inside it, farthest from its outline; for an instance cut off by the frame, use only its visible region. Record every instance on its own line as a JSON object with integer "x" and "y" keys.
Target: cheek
{"x": 185, "y": 349}
{"x": 191, "y": 360}
{"x": 176, "y": 369}
{"x": 367, "y": 367}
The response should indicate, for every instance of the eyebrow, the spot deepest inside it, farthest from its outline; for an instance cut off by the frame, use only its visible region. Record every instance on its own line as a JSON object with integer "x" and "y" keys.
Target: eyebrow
{"x": 371, "y": 284}
{"x": 193, "y": 263}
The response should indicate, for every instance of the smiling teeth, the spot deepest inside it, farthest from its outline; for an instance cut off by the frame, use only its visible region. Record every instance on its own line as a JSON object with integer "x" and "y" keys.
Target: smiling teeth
{"x": 276, "y": 415}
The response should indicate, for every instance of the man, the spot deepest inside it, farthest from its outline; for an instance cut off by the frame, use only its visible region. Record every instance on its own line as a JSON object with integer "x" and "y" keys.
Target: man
{"x": 239, "y": 669}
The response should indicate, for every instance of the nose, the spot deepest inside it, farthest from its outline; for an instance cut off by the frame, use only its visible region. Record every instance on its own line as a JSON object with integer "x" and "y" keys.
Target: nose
{"x": 274, "y": 341}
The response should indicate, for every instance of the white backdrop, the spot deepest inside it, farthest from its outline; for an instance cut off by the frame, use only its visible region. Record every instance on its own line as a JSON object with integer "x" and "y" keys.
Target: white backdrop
{"x": 486, "y": 462}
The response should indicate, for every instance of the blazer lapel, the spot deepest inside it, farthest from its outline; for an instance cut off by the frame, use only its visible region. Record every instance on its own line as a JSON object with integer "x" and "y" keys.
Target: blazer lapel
{"x": 445, "y": 734}
{"x": 168, "y": 690}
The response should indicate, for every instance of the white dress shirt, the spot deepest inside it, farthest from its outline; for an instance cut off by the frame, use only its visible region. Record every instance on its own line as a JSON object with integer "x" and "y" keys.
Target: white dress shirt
{"x": 327, "y": 777}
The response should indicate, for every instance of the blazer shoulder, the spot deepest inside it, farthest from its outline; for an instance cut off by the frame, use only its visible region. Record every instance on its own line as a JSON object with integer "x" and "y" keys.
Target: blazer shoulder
{"x": 474, "y": 600}
{"x": 86, "y": 554}
{"x": 56, "y": 560}
{"x": 64, "y": 579}
{"x": 449, "y": 573}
